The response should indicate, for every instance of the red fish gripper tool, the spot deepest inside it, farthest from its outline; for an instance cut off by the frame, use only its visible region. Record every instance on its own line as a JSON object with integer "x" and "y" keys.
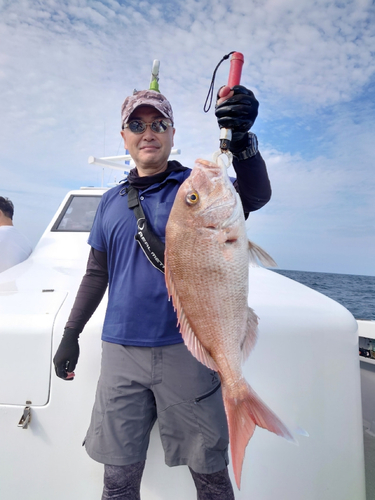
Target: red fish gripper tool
{"x": 236, "y": 63}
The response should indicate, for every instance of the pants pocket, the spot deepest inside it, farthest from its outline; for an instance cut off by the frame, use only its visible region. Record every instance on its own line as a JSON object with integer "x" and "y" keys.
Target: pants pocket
{"x": 209, "y": 412}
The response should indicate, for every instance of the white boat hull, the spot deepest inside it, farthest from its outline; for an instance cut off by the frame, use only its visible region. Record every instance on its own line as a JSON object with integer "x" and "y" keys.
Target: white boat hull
{"x": 305, "y": 367}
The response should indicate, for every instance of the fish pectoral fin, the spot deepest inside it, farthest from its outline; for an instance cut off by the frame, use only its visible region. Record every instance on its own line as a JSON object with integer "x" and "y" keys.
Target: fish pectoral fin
{"x": 257, "y": 253}
{"x": 194, "y": 344}
{"x": 251, "y": 334}
{"x": 190, "y": 339}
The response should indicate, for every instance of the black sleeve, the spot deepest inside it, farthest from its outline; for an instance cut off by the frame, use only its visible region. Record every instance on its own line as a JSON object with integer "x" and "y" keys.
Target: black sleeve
{"x": 91, "y": 291}
{"x": 252, "y": 183}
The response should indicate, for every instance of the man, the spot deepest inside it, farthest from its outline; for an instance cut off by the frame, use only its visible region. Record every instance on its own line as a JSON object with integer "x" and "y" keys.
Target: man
{"x": 147, "y": 372}
{"x": 14, "y": 246}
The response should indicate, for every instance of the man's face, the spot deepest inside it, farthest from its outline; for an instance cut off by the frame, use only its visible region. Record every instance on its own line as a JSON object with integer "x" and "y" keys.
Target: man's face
{"x": 150, "y": 151}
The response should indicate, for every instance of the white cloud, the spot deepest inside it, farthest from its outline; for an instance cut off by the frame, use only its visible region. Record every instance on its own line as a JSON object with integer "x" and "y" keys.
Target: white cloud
{"x": 65, "y": 69}
{"x": 321, "y": 215}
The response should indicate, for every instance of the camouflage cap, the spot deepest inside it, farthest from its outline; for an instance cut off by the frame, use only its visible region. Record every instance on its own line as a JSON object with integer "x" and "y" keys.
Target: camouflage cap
{"x": 146, "y": 98}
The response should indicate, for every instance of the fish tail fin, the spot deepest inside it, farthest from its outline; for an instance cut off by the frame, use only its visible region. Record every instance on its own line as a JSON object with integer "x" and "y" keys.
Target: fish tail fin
{"x": 243, "y": 415}
{"x": 257, "y": 253}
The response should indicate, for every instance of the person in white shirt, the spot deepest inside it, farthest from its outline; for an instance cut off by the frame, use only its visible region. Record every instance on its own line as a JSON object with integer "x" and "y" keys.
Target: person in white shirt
{"x": 14, "y": 246}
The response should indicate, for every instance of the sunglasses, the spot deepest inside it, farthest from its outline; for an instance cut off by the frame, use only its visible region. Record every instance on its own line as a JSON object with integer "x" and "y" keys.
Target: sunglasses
{"x": 158, "y": 126}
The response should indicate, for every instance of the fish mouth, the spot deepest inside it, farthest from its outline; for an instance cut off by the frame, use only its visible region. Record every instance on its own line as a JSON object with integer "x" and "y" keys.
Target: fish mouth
{"x": 205, "y": 176}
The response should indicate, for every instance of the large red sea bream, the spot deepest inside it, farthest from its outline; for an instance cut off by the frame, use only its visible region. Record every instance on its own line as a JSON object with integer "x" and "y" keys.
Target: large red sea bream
{"x": 206, "y": 269}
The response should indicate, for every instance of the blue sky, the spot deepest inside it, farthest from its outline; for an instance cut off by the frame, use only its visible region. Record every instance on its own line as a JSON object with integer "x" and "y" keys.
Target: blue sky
{"x": 66, "y": 67}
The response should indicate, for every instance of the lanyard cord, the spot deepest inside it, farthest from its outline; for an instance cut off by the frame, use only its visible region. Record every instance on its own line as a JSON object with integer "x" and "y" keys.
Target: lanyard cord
{"x": 152, "y": 246}
{"x": 211, "y": 89}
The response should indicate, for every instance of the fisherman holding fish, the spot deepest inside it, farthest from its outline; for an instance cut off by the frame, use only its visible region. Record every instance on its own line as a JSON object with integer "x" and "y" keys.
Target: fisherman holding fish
{"x": 147, "y": 372}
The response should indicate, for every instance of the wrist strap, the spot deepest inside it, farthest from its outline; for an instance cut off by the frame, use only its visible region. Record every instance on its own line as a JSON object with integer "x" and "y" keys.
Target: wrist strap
{"x": 251, "y": 149}
{"x": 152, "y": 246}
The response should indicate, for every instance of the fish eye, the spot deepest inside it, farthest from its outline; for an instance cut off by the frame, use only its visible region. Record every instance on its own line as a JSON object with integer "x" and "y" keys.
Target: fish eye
{"x": 192, "y": 198}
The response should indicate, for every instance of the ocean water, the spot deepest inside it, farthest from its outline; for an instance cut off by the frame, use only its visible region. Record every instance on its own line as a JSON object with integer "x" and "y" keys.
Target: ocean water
{"x": 356, "y": 293}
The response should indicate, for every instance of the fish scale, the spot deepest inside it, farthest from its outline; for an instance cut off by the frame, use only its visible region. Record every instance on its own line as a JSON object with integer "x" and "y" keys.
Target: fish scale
{"x": 206, "y": 270}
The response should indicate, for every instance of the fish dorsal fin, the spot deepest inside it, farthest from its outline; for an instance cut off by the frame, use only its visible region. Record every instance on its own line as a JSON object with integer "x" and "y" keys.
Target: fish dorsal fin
{"x": 257, "y": 253}
{"x": 190, "y": 339}
{"x": 251, "y": 334}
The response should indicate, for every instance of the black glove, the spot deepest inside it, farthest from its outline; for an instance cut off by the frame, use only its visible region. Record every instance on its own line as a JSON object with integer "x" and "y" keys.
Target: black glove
{"x": 238, "y": 113}
{"x": 67, "y": 354}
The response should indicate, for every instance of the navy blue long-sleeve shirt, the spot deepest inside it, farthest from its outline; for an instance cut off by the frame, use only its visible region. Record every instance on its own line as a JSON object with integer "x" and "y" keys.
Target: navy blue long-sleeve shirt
{"x": 115, "y": 257}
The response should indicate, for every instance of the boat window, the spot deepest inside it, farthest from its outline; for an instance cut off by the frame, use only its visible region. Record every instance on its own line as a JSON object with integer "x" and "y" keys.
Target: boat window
{"x": 78, "y": 214}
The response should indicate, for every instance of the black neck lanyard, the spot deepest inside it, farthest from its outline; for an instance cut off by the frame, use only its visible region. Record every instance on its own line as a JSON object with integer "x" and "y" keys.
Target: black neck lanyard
{"x": 151, "y": 245}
